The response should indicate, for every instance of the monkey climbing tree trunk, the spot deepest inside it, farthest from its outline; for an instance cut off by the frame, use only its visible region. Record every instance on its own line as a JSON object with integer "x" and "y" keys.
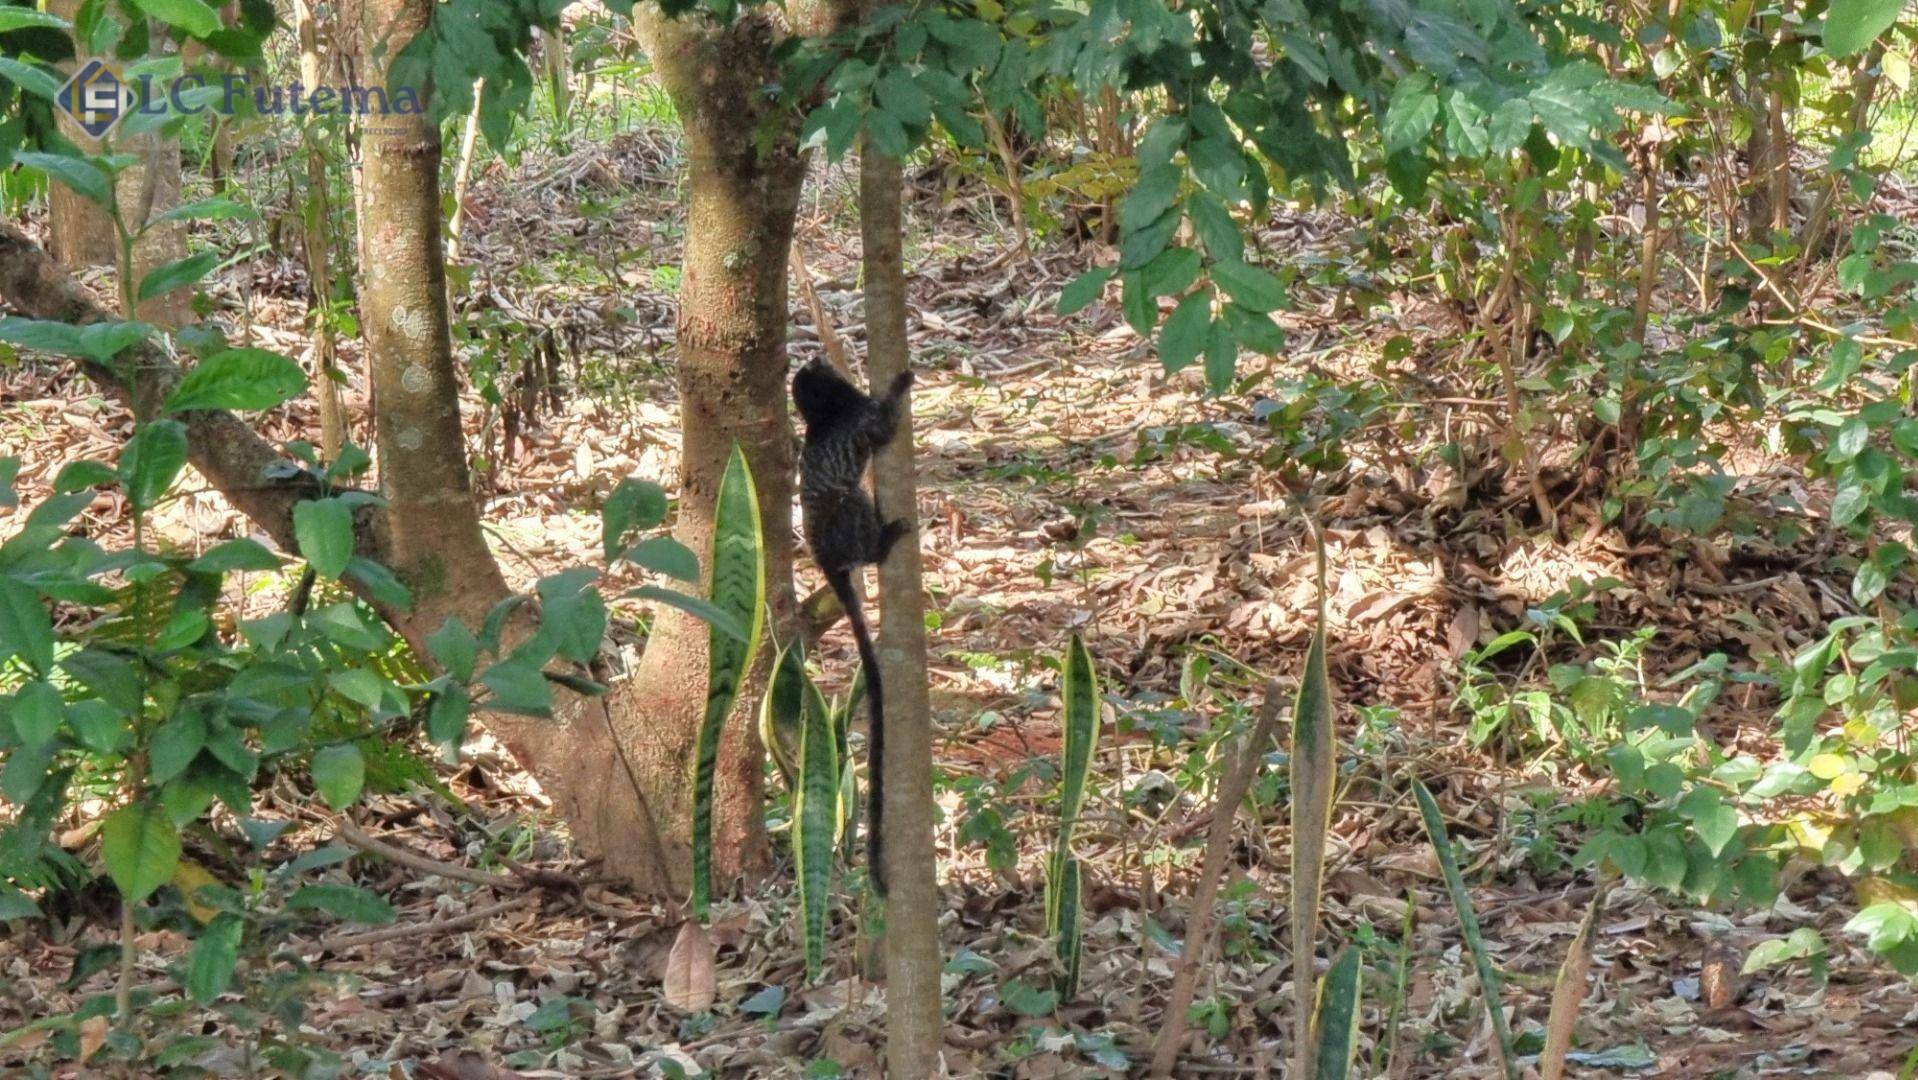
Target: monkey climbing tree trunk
{"x": 744, "y": 173}
{"x": 914, "y": 1033}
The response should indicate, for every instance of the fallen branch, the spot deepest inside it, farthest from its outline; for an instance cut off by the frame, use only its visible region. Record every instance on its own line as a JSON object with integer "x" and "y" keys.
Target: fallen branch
{"x": 467, "y": 921}
{"x": 414, "y": 861}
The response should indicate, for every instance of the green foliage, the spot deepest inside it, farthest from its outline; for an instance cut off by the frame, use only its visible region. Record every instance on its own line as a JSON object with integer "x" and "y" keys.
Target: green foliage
{"x": 739, "y": 591}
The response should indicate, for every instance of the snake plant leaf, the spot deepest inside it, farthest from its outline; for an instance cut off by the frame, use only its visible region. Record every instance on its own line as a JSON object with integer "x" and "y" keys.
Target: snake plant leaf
{"x": 739, "y": 590}
{"x": 1079, "y": 694}
{"x": 816, "y": 818}
{"x": 779, "y": 711}
{"x": 1071, "y": 946}
{"x": 1468, "y": 924}
{"x": 1314, "y": 774}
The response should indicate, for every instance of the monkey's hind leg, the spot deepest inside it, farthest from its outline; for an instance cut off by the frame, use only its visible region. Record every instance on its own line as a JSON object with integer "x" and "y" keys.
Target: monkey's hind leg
{"x": 889, "y": 535}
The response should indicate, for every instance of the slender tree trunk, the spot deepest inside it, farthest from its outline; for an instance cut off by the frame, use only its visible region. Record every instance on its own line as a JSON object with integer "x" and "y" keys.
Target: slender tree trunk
{"x": 143, "y": 192}
{"x": 463, "y": 172}
{"x": 914, "y": 1029}
{"x": 318, "y": 249}
{"x": 82, "y": 233}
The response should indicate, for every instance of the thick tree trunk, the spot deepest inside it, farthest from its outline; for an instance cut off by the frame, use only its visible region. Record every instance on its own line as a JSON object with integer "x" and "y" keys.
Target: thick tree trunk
{"x": 742, "y": 192}
{"x": 432, "y": 533}
{"x": 914, "y": 1030}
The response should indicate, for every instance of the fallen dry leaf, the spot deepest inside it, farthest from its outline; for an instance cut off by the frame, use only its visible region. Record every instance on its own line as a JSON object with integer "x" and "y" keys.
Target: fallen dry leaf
{"x": 691, "y": 984}
{"x": 93, "y": 1035}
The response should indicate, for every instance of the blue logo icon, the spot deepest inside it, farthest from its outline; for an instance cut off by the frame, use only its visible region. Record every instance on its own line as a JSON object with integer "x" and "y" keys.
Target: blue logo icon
{"x": 96, "y": 97}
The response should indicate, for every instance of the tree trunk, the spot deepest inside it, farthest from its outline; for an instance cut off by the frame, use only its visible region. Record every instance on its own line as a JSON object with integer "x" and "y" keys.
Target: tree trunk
{"x": 431, "y": 530}
{"x": 81, "y": 232}
{"x": 914, "y": 1031}
{"x": 742, "y": 192}
{"x": 318, "y": 245}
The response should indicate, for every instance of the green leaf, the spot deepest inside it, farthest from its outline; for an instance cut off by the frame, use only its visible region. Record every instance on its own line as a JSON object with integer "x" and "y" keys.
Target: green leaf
{"x": 1799, "y": 944}
{"x": 455, "y": 647}
{"x": 1488, "y": 980}
{"x": 1715, "y": 822}
{"x": 215, "y": 209}
{"x": 1083, "y": 289}
{"x": 767, "y": 1002}
{"x": 518, "y": 687}
{"x": 25, "y": 629}
{"x": 81, "y": 175}
{"x": 58, "y": 338}
{"x": 81, "y": 475}
{"x": 739, "y": 590}
{"x": 381, "y": 584}
{"x": 103, "y": 341}
{"x": 37, "y": 711}
{"x": 15, "y": 904}
{"x": 210, "y": 970}
{"x": 781, "y": 711}
{"x": 348, "y": 902}
{"x": 1079, "y": 706}
{"x": 1852, "y": 25}
{"x": 1411, "y": 114}
{"x": 1254, "y": 287}
{"x": 1028, "y": 1000}
{"x": 339, "y": 772}
{"x": 634, "y": 504}
{"x": 1070, "y": 948}
{"x": 1171, "y": 271}
{"x": 175, "y": 747}
{"x": 1314, "y": 781}
{"x": 816, "y": 819}
{"x": 324, "y": 530}
{"x": 665, "y": 555}
{"x": 141, "y": 849}
{"x": 1886, "y": 925}
{"x": 1335, "y": 1024}
{"x": 177, "y": 275}
{"x": 242, "y": 553}
{"x": 1184, "y": 333}
{"x": 242, "y": 379}
{"x": 446, "y": 717}
{"x": 151, "y": 462}
{"x": 361, "y": 686}
{"x": 193, "y": 16}
{"x": 27, "y": 77}
{"x": 16, "y": 18}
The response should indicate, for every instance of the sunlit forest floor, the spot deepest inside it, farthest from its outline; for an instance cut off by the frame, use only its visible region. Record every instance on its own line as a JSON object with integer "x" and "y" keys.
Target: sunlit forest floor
{"x": 1067, "y": 485}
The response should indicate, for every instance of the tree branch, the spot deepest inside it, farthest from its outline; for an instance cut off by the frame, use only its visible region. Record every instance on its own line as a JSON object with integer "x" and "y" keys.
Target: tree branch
{"x": 224, "y": 448}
